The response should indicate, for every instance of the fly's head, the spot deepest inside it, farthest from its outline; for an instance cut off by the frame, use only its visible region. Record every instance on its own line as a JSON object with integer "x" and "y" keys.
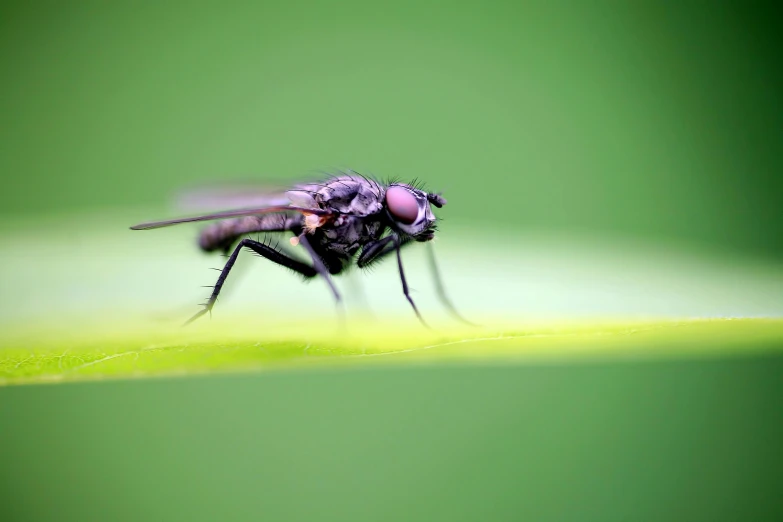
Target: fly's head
{"x": 410, "y": 210}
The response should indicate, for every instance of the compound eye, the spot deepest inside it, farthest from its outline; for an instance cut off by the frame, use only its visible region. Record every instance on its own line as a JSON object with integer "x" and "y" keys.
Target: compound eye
{"x": 402, "y": 204}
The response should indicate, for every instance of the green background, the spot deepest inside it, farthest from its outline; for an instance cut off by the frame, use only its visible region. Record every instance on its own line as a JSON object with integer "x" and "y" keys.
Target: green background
{"x": 636, "y": 118}
{"x": 654, "y": 441}
{"x": 652, "y": 124}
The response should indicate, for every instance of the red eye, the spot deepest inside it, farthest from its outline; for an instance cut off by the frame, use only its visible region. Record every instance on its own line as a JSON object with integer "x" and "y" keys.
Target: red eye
{"x": 402, "y": 204}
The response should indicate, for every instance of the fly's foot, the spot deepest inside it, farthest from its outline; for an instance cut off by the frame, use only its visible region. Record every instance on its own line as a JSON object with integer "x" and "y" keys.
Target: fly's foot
{"x": 207, "y": 308}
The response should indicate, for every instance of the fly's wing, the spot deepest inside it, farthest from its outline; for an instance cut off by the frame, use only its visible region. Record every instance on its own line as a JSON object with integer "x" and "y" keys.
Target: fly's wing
{"x": 205, "y": 198}
{"x": 248, "y": 199}
{"x": 251, "y": 194}
{"x": 232, "y": 214}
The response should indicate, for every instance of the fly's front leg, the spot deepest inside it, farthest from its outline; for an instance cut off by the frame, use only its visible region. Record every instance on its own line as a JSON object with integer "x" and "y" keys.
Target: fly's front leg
{"x": 263, "y": 250}
{"x": 378, "y": 250}
{"x": 374, "y": 252}
{"x": 440, "y": 290}
{"x": 398, "y": 247}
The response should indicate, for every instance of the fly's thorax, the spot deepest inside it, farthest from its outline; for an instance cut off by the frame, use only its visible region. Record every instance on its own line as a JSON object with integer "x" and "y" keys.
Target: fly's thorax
{"x": 351, "y": 195}
{"x": 346, "y": 194}
{"x": 352, "y": 229}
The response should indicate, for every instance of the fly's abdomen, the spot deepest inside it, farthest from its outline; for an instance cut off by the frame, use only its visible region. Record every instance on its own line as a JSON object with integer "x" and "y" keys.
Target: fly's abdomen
{"x": 221, "y": 235}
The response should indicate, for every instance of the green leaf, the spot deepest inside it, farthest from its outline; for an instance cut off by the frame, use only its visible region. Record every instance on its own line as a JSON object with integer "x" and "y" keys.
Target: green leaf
{"x": 67, "y": 355}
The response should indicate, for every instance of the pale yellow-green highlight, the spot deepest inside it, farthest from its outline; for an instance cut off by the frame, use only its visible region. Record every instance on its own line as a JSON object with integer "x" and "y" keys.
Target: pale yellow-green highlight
{"x": 110, "y": 303}
{"x": 111, "y": 351}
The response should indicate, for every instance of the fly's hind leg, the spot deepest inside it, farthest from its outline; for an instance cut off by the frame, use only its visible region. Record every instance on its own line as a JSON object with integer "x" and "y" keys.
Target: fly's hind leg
{"x": 263, "y": 250}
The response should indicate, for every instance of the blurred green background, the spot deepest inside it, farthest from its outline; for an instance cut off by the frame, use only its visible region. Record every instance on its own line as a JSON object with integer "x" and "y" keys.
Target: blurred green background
{"x": 636, "y": 118}
{"x": 654, "y": 125}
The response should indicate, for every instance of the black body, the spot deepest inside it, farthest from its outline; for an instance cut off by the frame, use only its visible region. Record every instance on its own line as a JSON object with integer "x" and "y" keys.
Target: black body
{"x": 348, "y": 218}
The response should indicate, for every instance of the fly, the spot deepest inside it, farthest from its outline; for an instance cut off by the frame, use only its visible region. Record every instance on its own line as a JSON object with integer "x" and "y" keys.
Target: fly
{"x": 349, "y": 218}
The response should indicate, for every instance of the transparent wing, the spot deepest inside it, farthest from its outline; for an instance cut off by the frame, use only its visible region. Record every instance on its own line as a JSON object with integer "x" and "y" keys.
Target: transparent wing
{"x": 205, "y": 198}
{"x": 246, "y": 198}
{"x": 231, "y": 214}
{"x": 245, "y": 194}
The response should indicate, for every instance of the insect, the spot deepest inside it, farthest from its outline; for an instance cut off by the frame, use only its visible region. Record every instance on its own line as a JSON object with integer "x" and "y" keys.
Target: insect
{"x": 346, "y": 219}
